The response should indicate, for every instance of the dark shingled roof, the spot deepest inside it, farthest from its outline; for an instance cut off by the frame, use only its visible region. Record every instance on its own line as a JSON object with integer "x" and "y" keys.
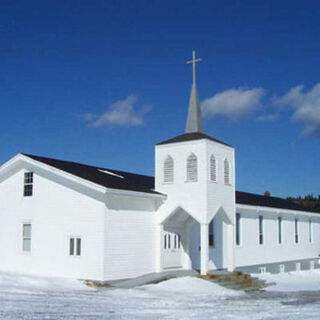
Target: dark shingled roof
{"x": 191, "y": 136}
{"x": 265, "y": 201}
{"x": 115, "y": 179}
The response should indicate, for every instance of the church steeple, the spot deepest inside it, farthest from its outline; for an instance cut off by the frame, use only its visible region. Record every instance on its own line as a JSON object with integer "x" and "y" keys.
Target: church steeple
{"x": 194, "y": 121}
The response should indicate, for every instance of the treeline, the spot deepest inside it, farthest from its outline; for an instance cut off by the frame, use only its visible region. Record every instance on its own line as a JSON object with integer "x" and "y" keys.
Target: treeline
{"x": 309, "y": 201}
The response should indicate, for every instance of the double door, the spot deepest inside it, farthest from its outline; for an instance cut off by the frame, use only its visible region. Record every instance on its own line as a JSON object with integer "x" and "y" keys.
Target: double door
{"x": 172, "y": 248}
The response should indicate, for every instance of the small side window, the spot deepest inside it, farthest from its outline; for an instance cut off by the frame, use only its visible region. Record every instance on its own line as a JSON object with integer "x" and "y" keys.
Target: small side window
{"x": 260, "y": 229}
{"x": 238, "y": 229}
{"x": 26, "y": 237}
{"x": 75, "y": 246}
{"x": 28, "y": 184}
{"x": 211, "y": 233}
{"x": 296, "y": 231}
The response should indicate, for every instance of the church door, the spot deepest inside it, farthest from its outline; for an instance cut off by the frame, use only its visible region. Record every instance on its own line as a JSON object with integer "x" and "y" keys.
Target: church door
{"x": 172, "y": 248}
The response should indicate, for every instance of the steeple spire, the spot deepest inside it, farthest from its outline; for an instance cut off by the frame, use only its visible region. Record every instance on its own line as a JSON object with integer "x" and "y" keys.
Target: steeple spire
{"x": 194, "y": 121}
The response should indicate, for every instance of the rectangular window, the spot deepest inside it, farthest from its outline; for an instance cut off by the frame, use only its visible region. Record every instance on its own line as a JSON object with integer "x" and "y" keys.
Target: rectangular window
{"x": 310, "y": 232}
{"x": 211, "y": 233}
{"x": 279, "y": 230}
{"x": 260, "y": 229}
{"x": 26, "y": 237}
{"x": 75, "y": 246}
{"x": 71, "y": 247}
{"x": 296, "y": 231}
{"x": 238, "y": 217}
{"x": 28, "y": 184}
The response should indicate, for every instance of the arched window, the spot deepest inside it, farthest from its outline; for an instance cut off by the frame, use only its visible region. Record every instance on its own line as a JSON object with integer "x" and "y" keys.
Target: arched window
{"x": 192, "y": 168}
{"x": 168, "y": 170}
{"x": 226, "y": 172}
{"x": 213, "y": 168}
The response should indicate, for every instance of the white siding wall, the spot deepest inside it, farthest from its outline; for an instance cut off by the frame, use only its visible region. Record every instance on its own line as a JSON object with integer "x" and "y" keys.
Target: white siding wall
{"x": 250, "y": 252}
{"x": 130, "y": 238}
{"x": 55, "y": 212}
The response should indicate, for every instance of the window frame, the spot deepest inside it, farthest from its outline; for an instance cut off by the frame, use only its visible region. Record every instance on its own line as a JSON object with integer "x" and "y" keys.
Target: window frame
{"x": 28, "y": 179}
{"x": 24, "y": 238}
{"x": 280, "y": 230}
{"x": 211, "y": 237}
{"x": 74, "y": 252}
{"x": 296, "y": 231}
{"x": 238, "y": 229}
{"x": 261, "y": 230}
{"x": 310, "y": 224}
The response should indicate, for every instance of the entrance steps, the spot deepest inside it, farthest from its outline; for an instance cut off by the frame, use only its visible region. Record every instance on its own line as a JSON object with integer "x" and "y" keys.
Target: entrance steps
{"x": 236, "y": 280}
{"x": 152, "y": 278}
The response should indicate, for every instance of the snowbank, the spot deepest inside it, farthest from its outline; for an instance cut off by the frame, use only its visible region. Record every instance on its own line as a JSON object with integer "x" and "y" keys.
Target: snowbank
{"x": 16, "y": 281}
{"x": 190, "y": 285}
{"x": 293, "y": 281}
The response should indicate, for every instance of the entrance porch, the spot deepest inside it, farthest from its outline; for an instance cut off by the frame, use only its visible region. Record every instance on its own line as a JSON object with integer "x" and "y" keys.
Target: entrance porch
{"x": 185, "y": 243}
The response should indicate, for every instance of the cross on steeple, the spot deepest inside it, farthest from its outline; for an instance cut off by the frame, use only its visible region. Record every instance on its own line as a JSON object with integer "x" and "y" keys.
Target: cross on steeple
{"x": 194, "y": 120}
{"x": 194, "y": 61}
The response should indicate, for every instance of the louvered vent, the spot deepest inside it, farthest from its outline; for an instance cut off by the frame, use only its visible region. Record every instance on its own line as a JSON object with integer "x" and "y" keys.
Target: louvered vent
{"x": 226, "y": 172}
{"x": 192, "y": 168}
{"x": 213, "y": 168}
{"x": 168, "y": 170}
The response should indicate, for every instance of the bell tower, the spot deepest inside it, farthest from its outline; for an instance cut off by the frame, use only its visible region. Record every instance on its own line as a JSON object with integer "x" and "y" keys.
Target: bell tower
{"x": 197, "y": 173}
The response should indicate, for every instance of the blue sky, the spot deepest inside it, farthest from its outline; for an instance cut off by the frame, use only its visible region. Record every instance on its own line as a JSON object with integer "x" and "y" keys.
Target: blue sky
{"x": 101, "y": 82}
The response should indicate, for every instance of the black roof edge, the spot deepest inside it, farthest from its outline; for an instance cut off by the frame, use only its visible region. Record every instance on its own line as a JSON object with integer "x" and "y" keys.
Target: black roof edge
{"x": 259, "y": 200}
{"x": 191, "y": 137}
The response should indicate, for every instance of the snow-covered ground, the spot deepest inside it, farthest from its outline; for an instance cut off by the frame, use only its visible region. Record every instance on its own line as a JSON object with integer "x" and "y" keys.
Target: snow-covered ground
{"x": 27, "y": 297}
{"x": 293, "y": 281}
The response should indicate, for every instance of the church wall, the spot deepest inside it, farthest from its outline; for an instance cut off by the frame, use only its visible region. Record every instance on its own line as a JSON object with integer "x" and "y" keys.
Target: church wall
{"x": 56, "y": 213}
{"x": 250, "y": 252}
{"x": 219, "y": 194}
{"x": 130, "y": 239}
{"x": 191, "y": 196}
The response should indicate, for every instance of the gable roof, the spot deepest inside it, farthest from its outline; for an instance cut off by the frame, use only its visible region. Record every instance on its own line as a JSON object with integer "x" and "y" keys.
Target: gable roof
{"x": 190, "y": 137}
{"x": 268, "y": 201}
{"x": 108, "y": 178}
{"x": 122, "y": 180}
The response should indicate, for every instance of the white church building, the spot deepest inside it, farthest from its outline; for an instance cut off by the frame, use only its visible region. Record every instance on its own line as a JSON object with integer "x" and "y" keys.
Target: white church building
{"x": 66, "y": 219}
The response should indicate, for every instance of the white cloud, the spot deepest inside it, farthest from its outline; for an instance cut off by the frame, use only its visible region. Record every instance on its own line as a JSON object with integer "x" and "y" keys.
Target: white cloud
{"x": 268, "y": 117}
{"x": 121, "y": 113}
{"x": 234, "y": 103}
{"x": 305, "y": 105}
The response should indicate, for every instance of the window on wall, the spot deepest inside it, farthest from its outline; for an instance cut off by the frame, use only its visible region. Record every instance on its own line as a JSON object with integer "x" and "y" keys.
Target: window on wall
{"x": 168, "y": 170}
{"x": 279, "y": 230}
{"x": 75, "y": 246}
{"x": 192, "y": 168}
{"x": 213, "y": 168}
{"x": 28, "y": 184}
{"x": 238, "y": 217}
{"x": 296, "y": 231}
{"x": 26, "y": 237}
{"x": 211, "y": 233}
{"x": 226, "y": 172}
{"x": 310, "y": 232}
{"x": 260, "y": 229}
